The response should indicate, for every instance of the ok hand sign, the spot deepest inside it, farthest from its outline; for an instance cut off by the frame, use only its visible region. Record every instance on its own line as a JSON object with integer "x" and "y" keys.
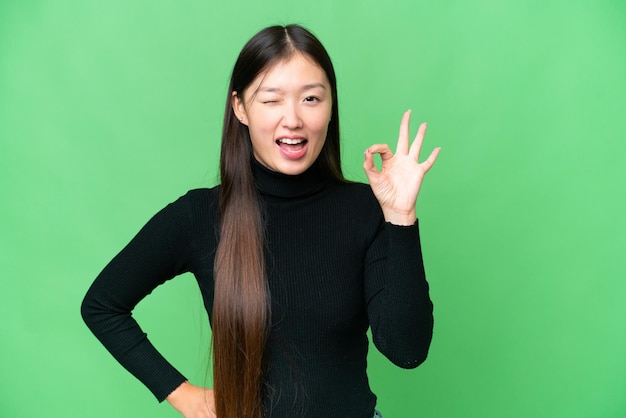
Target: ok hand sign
{"x": 397, "y": 184}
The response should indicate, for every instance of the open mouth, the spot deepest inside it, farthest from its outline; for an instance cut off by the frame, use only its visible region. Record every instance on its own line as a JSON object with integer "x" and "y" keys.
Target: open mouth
{"x": 291, "y": 144}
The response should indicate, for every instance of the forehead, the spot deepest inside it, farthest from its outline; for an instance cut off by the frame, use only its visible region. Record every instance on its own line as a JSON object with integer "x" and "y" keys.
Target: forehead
{"x": 292, "y": 73}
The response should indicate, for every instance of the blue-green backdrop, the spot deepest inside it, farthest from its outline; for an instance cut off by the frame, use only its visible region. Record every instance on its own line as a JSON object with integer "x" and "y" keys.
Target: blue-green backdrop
{"x": 111, "y": 109}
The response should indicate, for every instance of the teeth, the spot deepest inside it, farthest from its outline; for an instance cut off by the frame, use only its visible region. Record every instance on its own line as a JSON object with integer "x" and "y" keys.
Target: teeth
{"x": 290, "y": 141}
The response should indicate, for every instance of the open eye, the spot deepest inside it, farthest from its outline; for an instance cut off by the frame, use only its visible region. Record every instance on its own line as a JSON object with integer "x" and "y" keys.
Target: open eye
{"x": 311, "y": 99}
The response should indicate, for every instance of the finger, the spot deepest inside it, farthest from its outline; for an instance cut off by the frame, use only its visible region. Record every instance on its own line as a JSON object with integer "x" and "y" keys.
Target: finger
{"x": 426, "y": 165}
{"x": 403, "y": 137}
{"x": 382, "y": 149}
{"x": 416, "y": 146}
{"x": 368, "y": 164}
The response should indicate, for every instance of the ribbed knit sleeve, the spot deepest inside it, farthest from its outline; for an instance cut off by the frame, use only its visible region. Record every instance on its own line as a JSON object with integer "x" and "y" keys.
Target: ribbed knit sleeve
{"x": 398, "y": 303}
{"x": 160, "y": 251}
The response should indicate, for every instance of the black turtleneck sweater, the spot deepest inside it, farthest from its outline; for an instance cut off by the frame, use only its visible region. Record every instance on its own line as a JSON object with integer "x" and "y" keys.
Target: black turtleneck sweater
{"x": 334, "y": 266}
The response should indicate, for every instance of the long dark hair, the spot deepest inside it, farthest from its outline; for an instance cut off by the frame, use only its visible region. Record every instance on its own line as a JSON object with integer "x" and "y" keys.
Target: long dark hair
{"x": 241, "y": 308}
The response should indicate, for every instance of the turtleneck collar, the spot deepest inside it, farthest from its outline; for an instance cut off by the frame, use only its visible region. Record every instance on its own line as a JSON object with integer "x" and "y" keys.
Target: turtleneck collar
{"x": 277, "y": 184}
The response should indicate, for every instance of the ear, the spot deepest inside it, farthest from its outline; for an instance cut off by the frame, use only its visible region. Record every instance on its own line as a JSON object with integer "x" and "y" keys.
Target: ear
{"x": 238, "y": 108}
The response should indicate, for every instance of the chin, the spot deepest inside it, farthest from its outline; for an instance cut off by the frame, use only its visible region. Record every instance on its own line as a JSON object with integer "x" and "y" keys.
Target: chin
{"x": 293, "y": 169}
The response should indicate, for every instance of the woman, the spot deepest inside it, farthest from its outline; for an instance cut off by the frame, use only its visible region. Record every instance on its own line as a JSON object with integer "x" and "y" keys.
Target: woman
{"x": 294, "y": 262}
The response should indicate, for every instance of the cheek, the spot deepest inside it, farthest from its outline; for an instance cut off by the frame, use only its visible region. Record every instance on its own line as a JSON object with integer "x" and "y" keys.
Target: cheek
{"x": 262, "y": 124}
{"x": 320, "y": 123}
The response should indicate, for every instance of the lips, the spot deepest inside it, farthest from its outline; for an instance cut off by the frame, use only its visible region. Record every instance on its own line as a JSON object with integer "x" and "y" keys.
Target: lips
{"x": 291, "y": 144}
{"x": 292, "y": 147}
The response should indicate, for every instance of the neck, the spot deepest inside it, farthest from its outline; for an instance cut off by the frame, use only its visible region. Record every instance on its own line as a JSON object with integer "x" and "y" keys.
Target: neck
{"x": 277, "y": 184}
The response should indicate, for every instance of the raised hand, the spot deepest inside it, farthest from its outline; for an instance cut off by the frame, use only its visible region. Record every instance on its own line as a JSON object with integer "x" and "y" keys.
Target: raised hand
{"x": 397, "y": 184}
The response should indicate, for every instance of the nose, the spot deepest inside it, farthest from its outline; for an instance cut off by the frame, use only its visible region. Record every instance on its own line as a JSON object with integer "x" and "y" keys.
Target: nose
{"x": 291, "y": 117}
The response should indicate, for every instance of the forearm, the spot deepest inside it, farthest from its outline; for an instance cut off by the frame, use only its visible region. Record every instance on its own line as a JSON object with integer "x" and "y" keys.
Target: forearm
{"x": 399, "y": 305}
{"x": 120, "y": 334}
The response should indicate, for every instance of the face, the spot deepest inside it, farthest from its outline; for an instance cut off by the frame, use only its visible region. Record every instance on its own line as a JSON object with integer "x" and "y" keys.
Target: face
{"x": 287, "y": 109}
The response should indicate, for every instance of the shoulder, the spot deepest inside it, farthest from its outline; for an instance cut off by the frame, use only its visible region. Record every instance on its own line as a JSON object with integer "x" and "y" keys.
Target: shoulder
{"x": 201, "y": 196}
{"x": 356, "y": 193}
{"x": 358, "y": 200}
{"x": 196, "y": 205}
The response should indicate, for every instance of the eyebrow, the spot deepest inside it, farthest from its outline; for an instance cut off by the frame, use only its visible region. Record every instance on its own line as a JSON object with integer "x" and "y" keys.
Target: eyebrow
{"x": 305, "y": 87}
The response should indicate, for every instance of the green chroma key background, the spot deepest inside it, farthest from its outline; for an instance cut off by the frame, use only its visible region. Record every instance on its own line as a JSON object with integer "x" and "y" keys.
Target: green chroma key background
{"x": 111, "y": 109}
